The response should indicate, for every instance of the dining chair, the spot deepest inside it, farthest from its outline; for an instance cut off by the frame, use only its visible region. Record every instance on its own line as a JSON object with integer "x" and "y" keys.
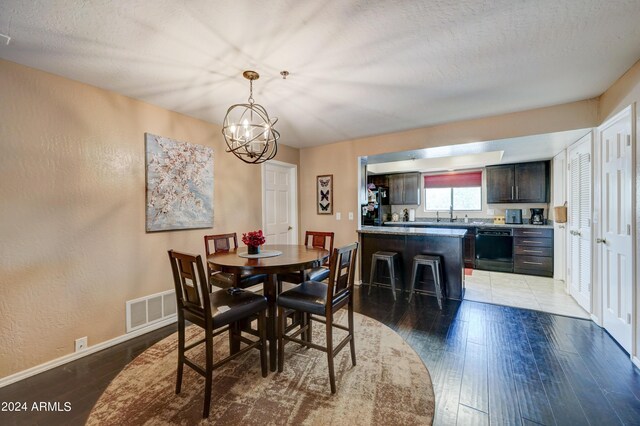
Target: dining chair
{"x": 223, "y": 243}
{"x": 216, "y": 313}
{"x": 317, "y": 299}
{"x": 315, "y": 239}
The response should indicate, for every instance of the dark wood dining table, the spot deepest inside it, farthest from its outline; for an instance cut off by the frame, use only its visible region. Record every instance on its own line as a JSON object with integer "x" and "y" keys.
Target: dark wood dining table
{"x": 293, "y": 258}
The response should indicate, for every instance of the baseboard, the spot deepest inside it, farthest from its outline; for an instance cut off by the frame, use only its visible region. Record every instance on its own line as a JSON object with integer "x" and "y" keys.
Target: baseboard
{"x": 636, "y": 361}
{"x": 21, "y": 375}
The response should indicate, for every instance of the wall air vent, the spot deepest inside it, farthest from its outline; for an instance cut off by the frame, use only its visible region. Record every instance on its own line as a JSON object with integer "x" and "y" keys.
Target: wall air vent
{"x": 148, "y": 310}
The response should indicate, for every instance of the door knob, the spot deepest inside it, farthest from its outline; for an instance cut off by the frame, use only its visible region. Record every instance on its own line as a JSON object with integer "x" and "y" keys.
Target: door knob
{"x": 290, "y": 228}
{"x": 601, "y": 240}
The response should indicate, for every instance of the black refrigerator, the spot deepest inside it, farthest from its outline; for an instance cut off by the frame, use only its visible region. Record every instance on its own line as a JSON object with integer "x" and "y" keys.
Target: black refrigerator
{"x": 377, "y": 210}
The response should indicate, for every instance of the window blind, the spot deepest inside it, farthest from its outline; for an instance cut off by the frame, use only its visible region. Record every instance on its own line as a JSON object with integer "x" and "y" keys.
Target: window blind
{"x": 453, "y": 180}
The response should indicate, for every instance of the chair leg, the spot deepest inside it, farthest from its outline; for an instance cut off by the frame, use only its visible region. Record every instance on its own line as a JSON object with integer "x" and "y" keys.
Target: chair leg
{"x": 262, "y": 328}
{"x": 332, "y": 374}
{"x": 352, "y": 343}
{"x": 310, "y": 327}
{"x": 374, "y": 263}
{"x": 208, "y": 380}
{"x": 412, "y": 284}
{"x": 392, "y": 276}
{"x": 234, "y": 342}
{"x": 436, "y": 281}
{"x": 302, "y": 320}
{"x": 281, "y": 324}
{"x": 181, "y": 344}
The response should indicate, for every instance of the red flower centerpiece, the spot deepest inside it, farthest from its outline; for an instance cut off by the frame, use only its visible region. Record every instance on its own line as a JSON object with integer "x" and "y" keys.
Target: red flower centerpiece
{"x": 253, "y": 240}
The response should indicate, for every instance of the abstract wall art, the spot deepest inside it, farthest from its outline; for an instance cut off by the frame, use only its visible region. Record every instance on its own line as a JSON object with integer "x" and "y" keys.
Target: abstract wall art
{"x": 179, "y": 184}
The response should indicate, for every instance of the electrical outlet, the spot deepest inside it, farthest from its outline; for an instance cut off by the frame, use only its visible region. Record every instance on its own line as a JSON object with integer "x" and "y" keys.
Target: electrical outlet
{"x": 81, "y": 344}
{"x": 350, "y": 215}
{"x": 338, "y": 216}
{"x": 491, "y": 212}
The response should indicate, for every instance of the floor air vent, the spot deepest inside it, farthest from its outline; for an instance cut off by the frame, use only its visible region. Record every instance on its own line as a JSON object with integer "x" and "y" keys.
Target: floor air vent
{"x": 151, "y": 309}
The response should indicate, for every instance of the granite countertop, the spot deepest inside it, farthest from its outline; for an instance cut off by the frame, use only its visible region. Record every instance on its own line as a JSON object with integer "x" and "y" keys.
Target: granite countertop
{"x": 472, "y": 223}
{"x": 404, "y": 230}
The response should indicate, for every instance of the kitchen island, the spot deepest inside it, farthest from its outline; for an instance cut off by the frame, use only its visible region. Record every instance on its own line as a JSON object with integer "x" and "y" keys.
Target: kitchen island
{"x": 408, "y": 242}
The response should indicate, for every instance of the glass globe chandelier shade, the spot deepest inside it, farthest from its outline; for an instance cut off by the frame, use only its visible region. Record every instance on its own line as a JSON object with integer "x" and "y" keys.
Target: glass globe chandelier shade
{"x": 248, "y": 131}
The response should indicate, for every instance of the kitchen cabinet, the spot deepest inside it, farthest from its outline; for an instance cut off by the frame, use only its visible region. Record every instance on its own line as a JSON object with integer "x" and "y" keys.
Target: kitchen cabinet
{"x": 533, "y": 251}
{"x": 404, "y": 189}
{"x": 378, "y": 180}
{"x": 518, "y": 183}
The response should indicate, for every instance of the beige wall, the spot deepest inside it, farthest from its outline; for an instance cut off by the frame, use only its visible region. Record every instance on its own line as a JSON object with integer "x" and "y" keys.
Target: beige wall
{"x": 73, "y": 246}
{"x": 341, "y": 159}
{"x": 621, "y": 94}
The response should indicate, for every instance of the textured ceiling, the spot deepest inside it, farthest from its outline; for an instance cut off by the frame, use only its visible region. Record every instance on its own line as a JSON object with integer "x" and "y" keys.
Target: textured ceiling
{"x": 358, "y": 68}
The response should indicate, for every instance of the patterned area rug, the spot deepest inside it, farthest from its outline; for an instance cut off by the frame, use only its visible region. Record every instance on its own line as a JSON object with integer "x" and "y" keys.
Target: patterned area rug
{"x": 389, "y": 385}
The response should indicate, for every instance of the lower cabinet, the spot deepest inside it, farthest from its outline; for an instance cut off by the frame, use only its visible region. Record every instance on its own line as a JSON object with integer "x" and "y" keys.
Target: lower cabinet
{"x": 470, "y": 248}
{"x": 533, "y": 251}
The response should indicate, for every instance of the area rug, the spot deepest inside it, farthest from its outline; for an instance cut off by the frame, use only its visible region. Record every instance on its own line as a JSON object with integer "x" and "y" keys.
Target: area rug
{"x": 389, "y": 385}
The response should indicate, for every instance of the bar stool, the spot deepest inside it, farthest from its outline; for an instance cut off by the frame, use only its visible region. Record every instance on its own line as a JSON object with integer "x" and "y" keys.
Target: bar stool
{"x": 436, "y": 269}
{"x": 387, "y": 256}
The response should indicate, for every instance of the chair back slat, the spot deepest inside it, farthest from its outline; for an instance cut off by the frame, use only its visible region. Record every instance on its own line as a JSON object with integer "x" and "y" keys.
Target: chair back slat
{"x": 341, "y": 271}
{"x": 319, "y": 240}
{"x": 192, "y": 291}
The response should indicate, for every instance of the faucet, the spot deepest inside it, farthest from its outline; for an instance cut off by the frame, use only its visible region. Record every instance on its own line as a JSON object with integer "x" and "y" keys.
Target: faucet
{"x": 437, "y": 216}
{"x": 451, "y": 219}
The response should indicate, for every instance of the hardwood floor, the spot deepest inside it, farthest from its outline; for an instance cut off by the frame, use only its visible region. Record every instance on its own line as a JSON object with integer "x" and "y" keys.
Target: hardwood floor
{"x": 489, "y": 364}
{"x": 500, "y": 365}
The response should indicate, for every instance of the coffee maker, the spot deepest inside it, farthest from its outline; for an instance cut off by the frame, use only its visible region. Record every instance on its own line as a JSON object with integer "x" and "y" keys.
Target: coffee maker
{"x": 537, "y": 217}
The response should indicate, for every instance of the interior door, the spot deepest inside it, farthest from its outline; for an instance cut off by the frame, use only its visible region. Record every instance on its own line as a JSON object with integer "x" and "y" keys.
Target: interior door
{"x": 279, "y": 204}
{"x": 579, "y": 271}
{"x": 616, "y": 233}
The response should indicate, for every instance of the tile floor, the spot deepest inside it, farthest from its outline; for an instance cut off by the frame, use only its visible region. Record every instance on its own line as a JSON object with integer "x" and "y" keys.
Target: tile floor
{"x": 522, "y": 291}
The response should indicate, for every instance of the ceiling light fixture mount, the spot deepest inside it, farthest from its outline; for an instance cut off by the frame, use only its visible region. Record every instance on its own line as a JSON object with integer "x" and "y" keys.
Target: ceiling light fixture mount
{"x": 248, "y": 131}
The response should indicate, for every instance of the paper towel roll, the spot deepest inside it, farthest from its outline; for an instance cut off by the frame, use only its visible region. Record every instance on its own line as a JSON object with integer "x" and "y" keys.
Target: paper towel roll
{"x": 412, "y": 215}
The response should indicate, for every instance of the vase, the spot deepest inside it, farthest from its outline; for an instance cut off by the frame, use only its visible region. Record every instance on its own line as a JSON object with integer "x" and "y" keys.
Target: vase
{"x": 253, "y": 249}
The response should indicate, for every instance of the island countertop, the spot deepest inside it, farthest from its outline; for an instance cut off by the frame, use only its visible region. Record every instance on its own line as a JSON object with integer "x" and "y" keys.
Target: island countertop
{"x": 404, "y": 230}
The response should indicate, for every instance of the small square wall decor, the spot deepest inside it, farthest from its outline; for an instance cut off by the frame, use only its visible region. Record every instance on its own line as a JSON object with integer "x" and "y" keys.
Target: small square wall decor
{"x": 324, "y": 197}
{"x": 179, "y": 185}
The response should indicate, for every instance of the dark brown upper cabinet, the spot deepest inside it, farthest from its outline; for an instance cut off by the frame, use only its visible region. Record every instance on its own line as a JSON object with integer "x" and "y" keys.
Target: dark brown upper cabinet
{"x": 378, "y": 180}
{"x": 518, "y": 183}
{"x": 404, "y": 188}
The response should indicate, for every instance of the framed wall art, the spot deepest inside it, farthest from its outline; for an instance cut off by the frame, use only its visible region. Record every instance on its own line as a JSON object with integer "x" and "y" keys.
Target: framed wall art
{"x": 324, "y": 195}
{"x": 179, "y": 185}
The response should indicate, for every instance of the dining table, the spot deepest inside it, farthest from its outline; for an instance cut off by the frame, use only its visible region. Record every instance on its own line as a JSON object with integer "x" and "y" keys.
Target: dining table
{"x": 275, "y": 259}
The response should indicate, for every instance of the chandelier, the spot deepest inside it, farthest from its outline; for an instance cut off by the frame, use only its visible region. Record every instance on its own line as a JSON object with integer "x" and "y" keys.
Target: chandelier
{"x": 248, "y": 131}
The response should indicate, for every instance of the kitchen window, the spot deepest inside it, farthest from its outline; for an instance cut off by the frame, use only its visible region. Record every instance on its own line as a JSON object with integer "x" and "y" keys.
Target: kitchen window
{"x": 462, "y": 190}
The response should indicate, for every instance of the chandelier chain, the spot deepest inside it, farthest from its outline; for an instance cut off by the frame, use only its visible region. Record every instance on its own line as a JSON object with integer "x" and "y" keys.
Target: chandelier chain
{"x": 251, "y": 100}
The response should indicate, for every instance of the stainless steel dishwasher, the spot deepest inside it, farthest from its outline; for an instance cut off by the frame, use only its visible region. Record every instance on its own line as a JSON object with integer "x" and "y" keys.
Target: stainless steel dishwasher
{"x": 494, "y": 249}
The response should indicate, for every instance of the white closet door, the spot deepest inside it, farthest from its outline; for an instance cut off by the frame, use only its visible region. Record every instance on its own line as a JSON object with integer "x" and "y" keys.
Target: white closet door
{"x": 616, "y": 233}
{"x": 580, "y": 203}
